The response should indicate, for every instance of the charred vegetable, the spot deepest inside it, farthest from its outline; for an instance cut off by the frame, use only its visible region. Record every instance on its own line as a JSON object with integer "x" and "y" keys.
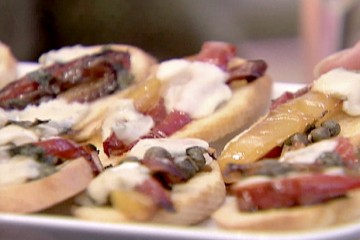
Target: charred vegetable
{"x": 83, "y": 80}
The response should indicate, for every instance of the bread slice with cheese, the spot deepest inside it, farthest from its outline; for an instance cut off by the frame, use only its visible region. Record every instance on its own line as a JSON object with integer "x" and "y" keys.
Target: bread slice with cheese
{"x": 196, "y": 88}
{"x": 193, "y": 200}
{"x": 334, "y": 92}
{"x": 37, "y": 175}
{"x": 332, "y": 213}
{"x": 37, "y": 195}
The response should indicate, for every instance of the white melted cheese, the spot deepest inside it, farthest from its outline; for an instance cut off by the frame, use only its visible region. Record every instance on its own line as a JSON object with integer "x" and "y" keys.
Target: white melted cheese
{"x": 67, "y": 54}
{"x": 124, "y": 176}
{"x": 309, "y": 154}
{"x": 61, "y": 115}
{"x": 13, "y": 134}
{"x": 3, "y": 117}
{"x": 127, "y": 124}
{"x": 18, "y": 170}
{"x": 197, "y": 88}
{"x": 342, "y": 84}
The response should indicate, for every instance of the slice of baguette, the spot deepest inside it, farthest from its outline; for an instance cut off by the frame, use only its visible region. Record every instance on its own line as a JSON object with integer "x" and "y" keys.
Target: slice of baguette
{"x": 337, "y": 211}
{"x": 194, "y": 201}
{"x": 45, "y": 192}
{"x": 8, "y": 63}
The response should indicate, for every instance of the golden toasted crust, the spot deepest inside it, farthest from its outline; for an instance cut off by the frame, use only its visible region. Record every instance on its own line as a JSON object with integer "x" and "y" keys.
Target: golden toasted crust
{"x": 247, "y": 103}
{"x": 334, "y": 212}
{"x": 7, "y": 65}
{"x": 194, "y": 201}
{"x": 40, "y": 194}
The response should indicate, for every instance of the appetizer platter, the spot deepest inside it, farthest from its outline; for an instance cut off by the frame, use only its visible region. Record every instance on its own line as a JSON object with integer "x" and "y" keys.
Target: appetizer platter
{"x": 140, "y": 135}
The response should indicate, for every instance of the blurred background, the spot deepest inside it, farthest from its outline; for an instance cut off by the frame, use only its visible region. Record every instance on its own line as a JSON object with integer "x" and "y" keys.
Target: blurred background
{"x": 291, "y": 35}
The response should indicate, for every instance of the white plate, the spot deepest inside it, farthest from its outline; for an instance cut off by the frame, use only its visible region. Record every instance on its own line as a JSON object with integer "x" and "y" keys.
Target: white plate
{"x": 39, "y": 227}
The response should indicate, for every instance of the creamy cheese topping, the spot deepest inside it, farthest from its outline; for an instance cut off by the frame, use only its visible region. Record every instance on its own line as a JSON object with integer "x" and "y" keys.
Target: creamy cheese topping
{"x": 176, "y": 147}
{"x": 124, "y": 176}
{"x": 197, "y": 88}
{"x": 342, "y": 84}
{"x": 13, "y": 134}
{"x": 62, "y": 115}
{"x": 309, "y": 154}
{"x": 18, "y": 170}
{"x": 58, "y": 110}
{"x": 67, "y": 54}
{"x": 126, "y": 122}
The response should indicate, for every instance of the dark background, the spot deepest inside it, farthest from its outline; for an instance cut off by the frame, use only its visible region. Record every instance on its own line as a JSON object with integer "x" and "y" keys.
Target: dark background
{"x": 166, "y": 28}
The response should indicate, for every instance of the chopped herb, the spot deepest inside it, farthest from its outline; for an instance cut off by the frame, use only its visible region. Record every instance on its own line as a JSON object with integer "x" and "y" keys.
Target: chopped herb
{"x": 27, "y": 124}
{"x": 40, "y": 76}
{"x": 35, "y": 152}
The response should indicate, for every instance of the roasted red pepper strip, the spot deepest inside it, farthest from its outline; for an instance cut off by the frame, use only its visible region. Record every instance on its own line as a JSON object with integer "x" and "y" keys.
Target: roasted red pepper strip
{"x": 287, "y": 96}
{"x": 294, "y": 191}
{"x": 347, "y": 152}
{"x": 113, "y": 146}
{"x": 221, "y": 53}
{"x": 218, "y": 53}
{"x": 47, "y": 83}
{"x": 174, "y": 121}
{"x": 62, "y": 148}
{"x": 250, "y": 71}
{"x": 67, "y": 150}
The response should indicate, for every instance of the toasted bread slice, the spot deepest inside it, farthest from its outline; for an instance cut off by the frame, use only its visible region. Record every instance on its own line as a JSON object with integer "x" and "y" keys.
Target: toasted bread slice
{"x": 45, "y": 192}
{"x": 337, "y": 211}
{"x": 194, "y": 201}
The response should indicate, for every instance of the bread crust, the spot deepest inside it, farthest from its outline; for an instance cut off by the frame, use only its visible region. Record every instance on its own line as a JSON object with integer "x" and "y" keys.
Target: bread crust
{"x": 247, "y": 104}
{"x": 194, "y": 201}
{"x": 40, "y": 194}
{"x": 8, "y": 64}
{"x": 337, "y": 211}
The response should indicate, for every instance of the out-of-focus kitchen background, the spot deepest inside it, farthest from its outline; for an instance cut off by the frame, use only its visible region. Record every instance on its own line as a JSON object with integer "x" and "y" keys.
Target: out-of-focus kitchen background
{"x": 291, "y": 35}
